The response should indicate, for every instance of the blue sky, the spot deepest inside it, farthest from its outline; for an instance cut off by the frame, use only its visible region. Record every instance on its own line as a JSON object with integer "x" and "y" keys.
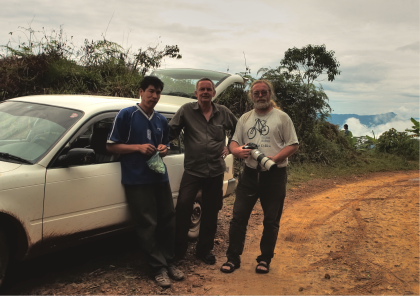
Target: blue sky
{"x": 375, "y": 41}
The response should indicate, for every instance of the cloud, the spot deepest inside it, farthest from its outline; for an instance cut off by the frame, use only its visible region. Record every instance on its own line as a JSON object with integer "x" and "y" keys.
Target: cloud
{"x": 400, "y": 123}
{"x": 414, "y": 47}
{"x": 375, "y": 41}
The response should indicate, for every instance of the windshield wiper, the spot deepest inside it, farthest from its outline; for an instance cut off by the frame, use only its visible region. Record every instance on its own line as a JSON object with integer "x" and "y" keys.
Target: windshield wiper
{"x": 8, "y": 156}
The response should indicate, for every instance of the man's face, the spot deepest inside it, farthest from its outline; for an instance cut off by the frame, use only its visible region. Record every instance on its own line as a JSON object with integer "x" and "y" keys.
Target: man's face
{"x": 150, "y": 97}
{"x": 205, "y": 91}
{"x": 261, "y": 96}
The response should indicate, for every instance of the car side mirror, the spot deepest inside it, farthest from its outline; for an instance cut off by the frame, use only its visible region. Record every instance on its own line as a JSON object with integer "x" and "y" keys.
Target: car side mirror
{"x": 175, "y": 147}
{"x": 77, "y": 156}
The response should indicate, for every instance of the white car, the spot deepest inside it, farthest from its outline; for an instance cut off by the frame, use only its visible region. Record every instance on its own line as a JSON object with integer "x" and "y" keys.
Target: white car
{"x": 58, "y": 184}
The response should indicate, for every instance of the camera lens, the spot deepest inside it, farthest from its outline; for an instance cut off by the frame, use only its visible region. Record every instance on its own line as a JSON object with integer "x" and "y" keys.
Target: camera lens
{"x": 263, "y": 160}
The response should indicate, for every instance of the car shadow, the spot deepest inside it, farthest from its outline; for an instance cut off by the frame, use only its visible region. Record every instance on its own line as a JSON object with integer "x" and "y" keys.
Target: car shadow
{"x": 72, "y": 263}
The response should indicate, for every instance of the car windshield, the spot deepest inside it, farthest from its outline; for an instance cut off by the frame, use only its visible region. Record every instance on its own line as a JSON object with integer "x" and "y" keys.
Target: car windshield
{"x": 28, "y": 131}
{"x": 181, "y": 82}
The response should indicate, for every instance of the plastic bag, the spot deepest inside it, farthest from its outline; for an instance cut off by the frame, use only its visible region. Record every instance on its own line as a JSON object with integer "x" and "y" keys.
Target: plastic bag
{"x": 156, "y": 163}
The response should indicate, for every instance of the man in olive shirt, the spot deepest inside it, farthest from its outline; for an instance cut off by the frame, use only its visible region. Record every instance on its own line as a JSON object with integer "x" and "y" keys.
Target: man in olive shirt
{"x": 205, "y": 124}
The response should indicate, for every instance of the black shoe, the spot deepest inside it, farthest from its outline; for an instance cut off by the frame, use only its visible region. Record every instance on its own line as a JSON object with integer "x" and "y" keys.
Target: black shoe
{"x": 208, "y": 258}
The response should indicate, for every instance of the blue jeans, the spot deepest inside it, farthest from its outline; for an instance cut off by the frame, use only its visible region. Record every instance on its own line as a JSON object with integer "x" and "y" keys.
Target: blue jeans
{"x": 270, "y": 188}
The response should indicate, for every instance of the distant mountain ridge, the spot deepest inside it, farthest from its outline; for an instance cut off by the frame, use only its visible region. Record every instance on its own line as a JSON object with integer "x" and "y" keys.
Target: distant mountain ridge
{"x": 367, "y": 120}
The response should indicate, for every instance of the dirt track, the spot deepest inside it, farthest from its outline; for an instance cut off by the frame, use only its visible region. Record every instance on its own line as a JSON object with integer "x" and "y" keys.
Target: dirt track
{"x": 337, "y": 237}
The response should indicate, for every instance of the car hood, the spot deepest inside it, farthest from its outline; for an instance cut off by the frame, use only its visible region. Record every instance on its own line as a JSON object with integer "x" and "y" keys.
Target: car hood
{"x": 14, "y": 175}
{"x": 8, "y": 166}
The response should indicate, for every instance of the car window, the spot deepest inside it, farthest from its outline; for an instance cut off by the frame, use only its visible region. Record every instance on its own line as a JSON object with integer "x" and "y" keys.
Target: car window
{"x": 100, "y": 131}
{"x": 93, "y": 135}
{"x": 28, "y": 131}
{"x": 182, "y": 82}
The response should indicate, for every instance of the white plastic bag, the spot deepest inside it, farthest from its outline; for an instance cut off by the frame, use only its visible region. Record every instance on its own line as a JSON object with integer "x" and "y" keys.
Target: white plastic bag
{"x": 156, "y": 164}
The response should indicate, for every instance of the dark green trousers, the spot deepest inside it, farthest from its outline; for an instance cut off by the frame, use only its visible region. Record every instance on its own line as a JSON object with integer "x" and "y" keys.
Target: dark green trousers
{"x": 153, "y": 212}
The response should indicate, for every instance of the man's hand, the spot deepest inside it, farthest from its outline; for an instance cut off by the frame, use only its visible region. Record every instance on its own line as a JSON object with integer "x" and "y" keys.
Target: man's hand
{"x": 238, "y": 151}
{"x": 163, "y": 150}
{"x": 147, "y": 149}
{"x": 225, "y": 152}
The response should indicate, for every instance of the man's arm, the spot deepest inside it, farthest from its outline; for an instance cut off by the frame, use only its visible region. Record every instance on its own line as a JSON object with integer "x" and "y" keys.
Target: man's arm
{"x": 229, "y": 125}
{"x": 147, "y": 149}
{"x": 176, "y": 125}
{"x": 285, "y": 153}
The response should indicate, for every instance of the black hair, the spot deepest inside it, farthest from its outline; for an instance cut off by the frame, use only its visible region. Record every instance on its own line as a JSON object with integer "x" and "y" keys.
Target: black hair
{"x": 151, "y": 80}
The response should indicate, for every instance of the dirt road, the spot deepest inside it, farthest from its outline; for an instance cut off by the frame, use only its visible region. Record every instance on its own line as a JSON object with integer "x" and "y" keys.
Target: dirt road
{"x": 337, "y": 237}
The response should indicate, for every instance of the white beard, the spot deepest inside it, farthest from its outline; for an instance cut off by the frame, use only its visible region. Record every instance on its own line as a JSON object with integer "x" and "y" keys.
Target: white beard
{"x": 262, "y": 105}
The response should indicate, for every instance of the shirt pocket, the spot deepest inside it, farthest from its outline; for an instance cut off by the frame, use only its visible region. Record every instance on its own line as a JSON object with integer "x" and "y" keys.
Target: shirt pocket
{"x": 216, "y": 132}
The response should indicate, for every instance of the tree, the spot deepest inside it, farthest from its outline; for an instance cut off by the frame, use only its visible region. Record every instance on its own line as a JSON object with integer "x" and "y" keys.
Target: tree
{"x": 306, "y": 65}
{"x": 415, "y": 129}
{"x": 310, "y": 62}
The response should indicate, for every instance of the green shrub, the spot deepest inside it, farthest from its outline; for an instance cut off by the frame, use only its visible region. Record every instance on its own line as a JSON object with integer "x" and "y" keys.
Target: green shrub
{"x": 236, "y": 99}
{"x": 50, "y": 63}
{"x": 399, "y": 143}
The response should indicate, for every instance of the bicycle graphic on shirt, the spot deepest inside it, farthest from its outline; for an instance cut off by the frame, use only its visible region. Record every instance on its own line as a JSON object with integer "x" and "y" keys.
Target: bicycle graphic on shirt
{"x": 259, "y": 126}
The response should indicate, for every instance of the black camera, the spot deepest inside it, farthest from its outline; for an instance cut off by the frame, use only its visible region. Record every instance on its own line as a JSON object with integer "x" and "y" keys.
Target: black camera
{"x": 260, "y": 157}
{"x": 250, "y": 146}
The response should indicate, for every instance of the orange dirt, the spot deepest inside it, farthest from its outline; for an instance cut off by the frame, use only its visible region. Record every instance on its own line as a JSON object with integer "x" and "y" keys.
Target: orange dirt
{"x": 358, "y": 235}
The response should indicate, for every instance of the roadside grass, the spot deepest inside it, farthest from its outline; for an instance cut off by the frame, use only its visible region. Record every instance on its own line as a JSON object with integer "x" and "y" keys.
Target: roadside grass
{"x": 367, "y": 163}
{"x": 364, "y": 164}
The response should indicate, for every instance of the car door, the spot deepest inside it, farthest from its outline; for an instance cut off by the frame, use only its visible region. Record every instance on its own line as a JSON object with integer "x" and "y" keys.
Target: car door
{"x": 88, "y": 197}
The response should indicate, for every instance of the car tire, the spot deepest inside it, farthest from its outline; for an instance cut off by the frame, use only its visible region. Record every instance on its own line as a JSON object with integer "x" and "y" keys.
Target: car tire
{"x": 4, "y": 256}
{"x": 195, "y": 218}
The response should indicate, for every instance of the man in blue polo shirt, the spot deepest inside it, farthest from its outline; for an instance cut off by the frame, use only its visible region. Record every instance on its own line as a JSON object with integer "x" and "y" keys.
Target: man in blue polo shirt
{"x": 137, "y": 134}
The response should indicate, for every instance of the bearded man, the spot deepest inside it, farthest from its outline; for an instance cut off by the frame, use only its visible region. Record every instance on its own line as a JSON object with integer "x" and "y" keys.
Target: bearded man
{"x": 273, "y": 132}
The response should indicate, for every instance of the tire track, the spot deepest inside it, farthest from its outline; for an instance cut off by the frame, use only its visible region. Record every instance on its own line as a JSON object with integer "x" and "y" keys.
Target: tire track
{"x": 345, "y": 248}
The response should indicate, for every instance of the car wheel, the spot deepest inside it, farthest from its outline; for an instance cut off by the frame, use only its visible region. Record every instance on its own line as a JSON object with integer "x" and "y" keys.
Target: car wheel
{"x": 195, "y": 219}
{"x": 4, "y": 256}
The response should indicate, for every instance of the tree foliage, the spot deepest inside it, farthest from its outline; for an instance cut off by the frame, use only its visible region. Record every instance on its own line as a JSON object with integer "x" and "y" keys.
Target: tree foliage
{"x": 310, "y": 62}
{"x": 50, "y": 63}
{"x": 399, "y": 143}
{"x": 236, "y": 99}
{"x": 415, "y": 129}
